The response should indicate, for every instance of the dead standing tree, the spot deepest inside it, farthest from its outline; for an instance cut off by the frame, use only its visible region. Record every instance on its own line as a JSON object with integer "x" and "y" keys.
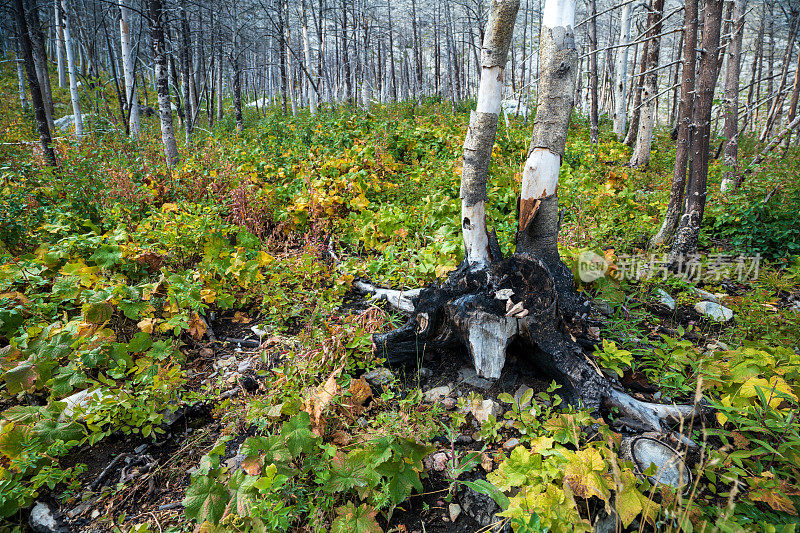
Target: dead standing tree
{"x": 526, "y": 302}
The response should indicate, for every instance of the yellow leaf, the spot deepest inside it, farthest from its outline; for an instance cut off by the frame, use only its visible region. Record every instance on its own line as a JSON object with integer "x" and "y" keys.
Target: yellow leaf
{"x": 147, "y": 324}
{"x": 169, "y": 208}
{"x": 209, "y": 296}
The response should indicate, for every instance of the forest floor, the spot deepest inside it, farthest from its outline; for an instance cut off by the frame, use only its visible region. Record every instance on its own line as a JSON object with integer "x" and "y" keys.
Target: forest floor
{"x": 208, "y": 315}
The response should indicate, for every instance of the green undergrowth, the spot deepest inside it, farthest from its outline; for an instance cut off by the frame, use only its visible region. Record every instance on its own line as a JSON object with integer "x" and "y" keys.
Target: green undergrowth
{"x": 112, "y": 266}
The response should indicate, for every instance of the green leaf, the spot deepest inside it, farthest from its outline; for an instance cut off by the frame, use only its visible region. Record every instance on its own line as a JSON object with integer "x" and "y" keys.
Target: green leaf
{"x": 206, "y": 499}
{"x": 297, "y": 435}
{"x": 107, "y": 255}
{"x": 21, "y": 378}
{"x": 351, "y": 518}
{"x": 482, "y": 486}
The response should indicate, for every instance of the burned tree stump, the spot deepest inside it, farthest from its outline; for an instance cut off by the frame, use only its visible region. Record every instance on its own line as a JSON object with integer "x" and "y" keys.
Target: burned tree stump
{"x": 514, "y": 303}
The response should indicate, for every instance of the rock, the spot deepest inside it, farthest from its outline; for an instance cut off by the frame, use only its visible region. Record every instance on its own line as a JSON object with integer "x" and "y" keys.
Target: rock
{"x": 714, "y": 311}
{"x": 718, "y": 346}
{"x": 479, "y": 507}
{"x": 470, "y": 377}
{"x": 449, "y": 403}
{"x": 606, "y": 523}
{"x": 80, "y": 399}
{"x": 646, "y": 449}
{"x": 261, "y": 102}
{"x": 510, "y": 444}
{"x": 236, "y": 461}
{"x": 379, "y": 376}
{"x": 436, "y": 394}
{"x": 464, "y": 439}
{"x": 436, "y": 461}
{"x": 455, "y": 511}
{"x": 665, "y": 299}
{"x": 425, "y": 373}
{"x": 707, "y": 296}
{"x": 518, "y": 396}
{"x": 482, "y": 410}
{"x": 43, "y": 520}
{"x": 487, "y": 463}
{"x": 244, "y": 366}
{"x": 604, "y": 307}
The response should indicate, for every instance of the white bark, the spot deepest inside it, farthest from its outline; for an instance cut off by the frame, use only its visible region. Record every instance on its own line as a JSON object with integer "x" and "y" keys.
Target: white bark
{"x": 62, "y": 76}
{"x": 73, "y": 78}
{"x": 621, "y": 85}
{"x": 540, "y": 176}
{"x": 312, "y": 95}
{"x": 131, "y": 96}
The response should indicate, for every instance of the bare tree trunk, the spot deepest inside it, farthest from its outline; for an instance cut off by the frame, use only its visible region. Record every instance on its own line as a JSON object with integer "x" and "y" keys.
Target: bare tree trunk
{"x": 39, "y": 57}
{"x": 795, "y": 94}
{"x": 637, "y": 83}
{"x": 187, "y": 74}
{"x": 73, "y": 78}
{"x": 33, "y": 83}
{"x": 594, "y": 131}
{"x": 156, "y": 15}
{"x": 696, "y": 189}
{"x": 62, "y": 73}
{"x": 752, "y": 97}
{"x": 647, "y": 113}
{"x": 538, "y": 202}
{"x": 131, "y": 96}
{"x": 621, "y": 85}
{"x": 312, "y": 100}
{"x": 685, "y": 128}
{"x": 734, "y": 51}
{"x": 23, "y": 97}
{"x": 482, "y": 130}
{"x": 774, "y": 113}
{"x": 220, "y": 74}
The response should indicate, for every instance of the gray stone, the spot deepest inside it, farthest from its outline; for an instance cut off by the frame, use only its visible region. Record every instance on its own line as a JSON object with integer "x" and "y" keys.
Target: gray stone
{"x": 470, "y": 377}
{"x": 80, "y": 399}
{"x": 479, "y": 507}
{"x": 482, "y": 410}
{"x": 666, "y": 299}
{"x": 379, "y": 376}
{"x": 455, "y": 511}
{"x": 43, "y": 520}
{"x": 437, "y": 393}
{"x": 518, "y": 396}
{"x": 244, "y": 366}
{"x": 604, "y": 307}
{"x": 425, "y": 373}
{"x": 449, "y": 403}
{"x": 436, "y": 461}
{"x": 714, "y": 311}
{"x": 707, "y": 296}
{"x": 464, "y": 439}
{"x": 510, "y": 444}
{"x": 236, "y": 461}
{"x": 606, "y": 522}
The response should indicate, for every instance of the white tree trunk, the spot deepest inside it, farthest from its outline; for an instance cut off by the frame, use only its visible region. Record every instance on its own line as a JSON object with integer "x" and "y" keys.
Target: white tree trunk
{"x": 621, "y": 85}
{"x": 482, "y": 129}
{"x": 131, "y": 97}
{"x": 73, "y": 78}
{"x": 647, "y": 112}
{"x": 62, "y": 74}
{"x": 558, "y": 60}
{"x": 23, "y": 97}
{"x": 312, "y": 95}
{"x": 732, "y": 97}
